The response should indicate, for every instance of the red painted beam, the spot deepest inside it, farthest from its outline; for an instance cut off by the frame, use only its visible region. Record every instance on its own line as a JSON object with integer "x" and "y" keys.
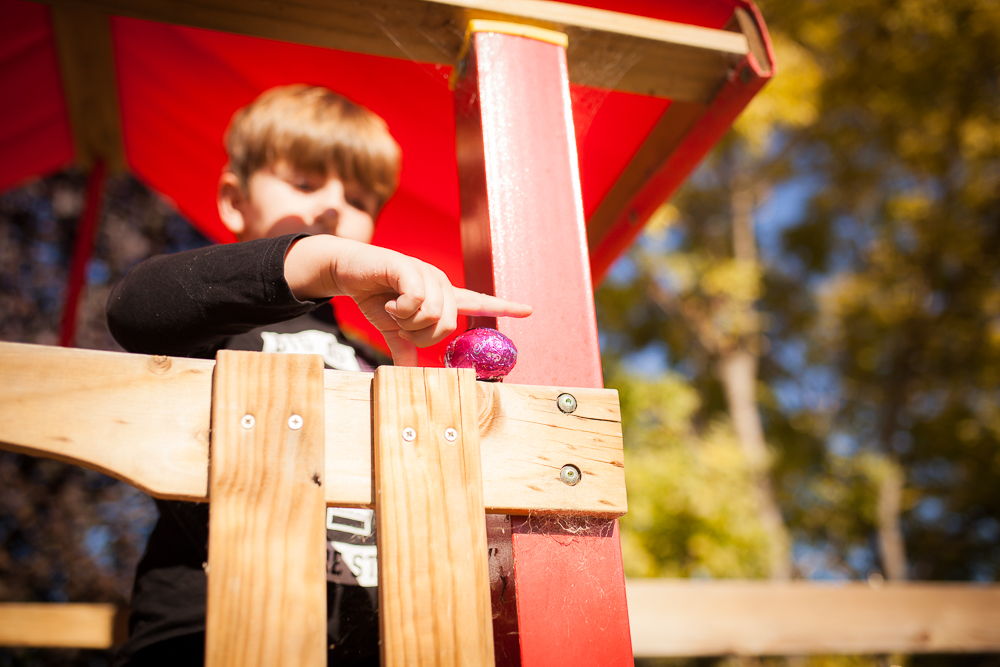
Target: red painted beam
{"x": 617, "y": 222}
{"x": 523, "y": 238}
{"x": 522, "y": 213}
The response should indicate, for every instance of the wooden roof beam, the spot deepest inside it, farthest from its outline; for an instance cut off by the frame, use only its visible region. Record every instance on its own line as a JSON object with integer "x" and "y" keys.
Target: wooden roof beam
{"x": 86, "y": 65}
{"x": 606, "y": 49}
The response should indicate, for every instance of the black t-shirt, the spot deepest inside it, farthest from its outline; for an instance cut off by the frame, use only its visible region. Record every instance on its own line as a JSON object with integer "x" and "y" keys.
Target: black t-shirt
{"x": 193, "y": 304}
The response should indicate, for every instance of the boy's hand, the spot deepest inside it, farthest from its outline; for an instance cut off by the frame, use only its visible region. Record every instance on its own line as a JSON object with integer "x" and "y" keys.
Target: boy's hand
{"x": 412, "y": 303}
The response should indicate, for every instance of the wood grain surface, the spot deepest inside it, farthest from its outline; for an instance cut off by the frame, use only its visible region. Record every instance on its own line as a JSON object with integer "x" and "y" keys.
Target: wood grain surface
{"x": 145, "y": 420}
{"x": 524, "y": 438}
{"x": 606, "y": 49}
{"x": 678, "y": 617}
{"x": 87, "y": 68}
{"x": 61, "y": 625}
{"x": 434, "y": 597}
{"x": 142, "y": 419}
{"x": 267, "y": 541}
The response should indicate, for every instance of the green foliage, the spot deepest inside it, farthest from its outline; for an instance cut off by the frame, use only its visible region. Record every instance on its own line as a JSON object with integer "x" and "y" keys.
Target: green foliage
{"x": 875, "y": 310}
{"x": 691, "y": 508}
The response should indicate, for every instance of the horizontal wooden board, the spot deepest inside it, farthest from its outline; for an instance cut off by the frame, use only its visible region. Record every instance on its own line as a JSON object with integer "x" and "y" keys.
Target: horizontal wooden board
{"x": 57, "y": 625}
{"x": 676, "y": 617}
{"x": 606, "y": 49}
{"x": 139, "y": 418}
{"x": 525, "y": 441}
{"x": 146, "y": 420}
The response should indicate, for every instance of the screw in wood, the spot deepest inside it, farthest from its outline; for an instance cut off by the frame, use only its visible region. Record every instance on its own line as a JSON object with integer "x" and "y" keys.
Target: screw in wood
{"x": 247, "y": 422}
{"x": 409, "y": 434}
{"x": 570, "y": 475}
{"x": 450, "y": 434}
{"x": 566, "y": 402}
{"x": 295, "y": 422}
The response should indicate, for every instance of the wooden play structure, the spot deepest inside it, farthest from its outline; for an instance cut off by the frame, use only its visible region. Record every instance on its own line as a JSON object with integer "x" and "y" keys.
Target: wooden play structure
{"x": 432, "y": 449}
{"x": 531, "y": 228}
{"x": 464, "y": 473}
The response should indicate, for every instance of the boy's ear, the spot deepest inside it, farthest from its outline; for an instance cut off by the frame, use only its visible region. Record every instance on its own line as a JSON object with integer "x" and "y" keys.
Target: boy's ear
{"x": 231, "y": 200}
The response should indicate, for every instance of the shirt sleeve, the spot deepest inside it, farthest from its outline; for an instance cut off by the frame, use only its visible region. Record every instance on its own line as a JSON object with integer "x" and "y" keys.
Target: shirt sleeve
{"x": 188, "y": 303}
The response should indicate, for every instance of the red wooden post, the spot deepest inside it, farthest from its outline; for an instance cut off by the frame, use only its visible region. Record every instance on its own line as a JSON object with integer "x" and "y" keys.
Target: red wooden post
{"x": 523, "y": 238}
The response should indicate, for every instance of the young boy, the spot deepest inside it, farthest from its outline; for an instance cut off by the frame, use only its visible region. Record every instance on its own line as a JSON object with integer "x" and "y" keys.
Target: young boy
{"x": 308, "y": 173}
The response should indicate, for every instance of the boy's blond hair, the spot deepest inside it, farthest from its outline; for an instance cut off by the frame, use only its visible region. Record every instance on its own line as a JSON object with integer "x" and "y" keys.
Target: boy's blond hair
{"x": 315, "y": 131}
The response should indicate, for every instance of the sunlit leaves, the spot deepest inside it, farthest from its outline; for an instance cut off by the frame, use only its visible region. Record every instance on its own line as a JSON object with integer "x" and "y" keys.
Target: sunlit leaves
{"x": 691, "y": 498}
{"x": 788, "y": 101}
{"x": 885, "y": 286}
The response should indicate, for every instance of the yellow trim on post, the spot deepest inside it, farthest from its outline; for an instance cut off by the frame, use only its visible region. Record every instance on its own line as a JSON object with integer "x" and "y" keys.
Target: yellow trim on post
{"x": 518, "y": 29}
{"x": 505, "y": 28}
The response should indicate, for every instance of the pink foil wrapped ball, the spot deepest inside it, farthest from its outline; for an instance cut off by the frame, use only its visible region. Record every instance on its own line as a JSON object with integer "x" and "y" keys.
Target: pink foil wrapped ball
{"x": 492, "y": 354}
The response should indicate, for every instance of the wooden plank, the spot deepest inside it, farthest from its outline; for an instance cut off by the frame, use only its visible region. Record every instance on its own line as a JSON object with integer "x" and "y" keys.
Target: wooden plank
{"x": 607, "y": 49}
{"x": 528, "y": 440}
{"x": 142, "y": 419}
{"x": 349, "y": 471}
{"x": 434, "y": 595}
{"x": 525, "y": 442}
{"x": 266, "y": 538}
{"x": 86, "y": 64}
{"x": 676, "y": 617}
{"x": 58, "y": 625}
{"x": 145, "y": 420}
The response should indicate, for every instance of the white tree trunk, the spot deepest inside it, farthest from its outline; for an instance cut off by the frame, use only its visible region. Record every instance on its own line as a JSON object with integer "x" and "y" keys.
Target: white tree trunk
{"x": 738, "y": 373}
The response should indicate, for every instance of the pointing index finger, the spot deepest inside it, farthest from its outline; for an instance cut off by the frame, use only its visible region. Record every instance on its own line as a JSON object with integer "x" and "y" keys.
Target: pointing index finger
{"x": 476, "y": 304}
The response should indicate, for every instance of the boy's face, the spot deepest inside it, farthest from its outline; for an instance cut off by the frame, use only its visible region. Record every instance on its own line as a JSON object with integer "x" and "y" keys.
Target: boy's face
{"x": 281, "y": 200}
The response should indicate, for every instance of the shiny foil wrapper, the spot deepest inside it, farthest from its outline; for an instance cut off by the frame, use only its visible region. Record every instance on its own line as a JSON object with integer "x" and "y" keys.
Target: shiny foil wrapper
{"x": 492, "y": 354}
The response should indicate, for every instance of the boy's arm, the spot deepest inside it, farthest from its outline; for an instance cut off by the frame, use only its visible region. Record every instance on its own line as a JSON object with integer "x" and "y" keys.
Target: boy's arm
{"x": 186, "y": 304}
{"x": 412, "y": 303}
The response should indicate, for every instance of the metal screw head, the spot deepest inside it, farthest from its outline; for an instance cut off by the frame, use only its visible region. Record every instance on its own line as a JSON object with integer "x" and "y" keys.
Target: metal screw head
{"x": 409, "y": 434}
{"x": 247, "y": 422}
{"x": 450, "y": 434}
{"x": 566, "y": 402}
{"x": 295, "y": 422}
{"x": 570, "y": 475}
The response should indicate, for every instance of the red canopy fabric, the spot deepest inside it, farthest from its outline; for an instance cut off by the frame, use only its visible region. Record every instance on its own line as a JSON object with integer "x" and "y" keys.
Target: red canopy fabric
{"x": 35, "y": 137}
{"x": 178, "y": 87}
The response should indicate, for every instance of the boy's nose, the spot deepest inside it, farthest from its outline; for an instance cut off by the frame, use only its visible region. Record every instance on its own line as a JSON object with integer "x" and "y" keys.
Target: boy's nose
{"x": 328, "y": 218}
{"x": 330, "y": 204}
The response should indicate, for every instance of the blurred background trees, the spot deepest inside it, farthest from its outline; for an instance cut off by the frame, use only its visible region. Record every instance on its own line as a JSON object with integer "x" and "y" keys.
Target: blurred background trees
{"x": 69, "y": 534}
{"x": 822, "y": 297}
{"x": 806, "y": 340}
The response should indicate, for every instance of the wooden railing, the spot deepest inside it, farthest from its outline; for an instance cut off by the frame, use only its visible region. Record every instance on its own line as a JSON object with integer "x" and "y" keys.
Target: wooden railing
{"x": 271, "y": 440}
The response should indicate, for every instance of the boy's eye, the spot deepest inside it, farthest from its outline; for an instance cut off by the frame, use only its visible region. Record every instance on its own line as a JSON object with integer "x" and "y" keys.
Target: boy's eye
{"x": 305, "y": 186}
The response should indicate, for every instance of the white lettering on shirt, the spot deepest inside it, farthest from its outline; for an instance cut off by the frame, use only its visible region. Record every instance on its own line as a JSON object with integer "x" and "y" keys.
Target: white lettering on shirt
{"x": 334, "y": 353}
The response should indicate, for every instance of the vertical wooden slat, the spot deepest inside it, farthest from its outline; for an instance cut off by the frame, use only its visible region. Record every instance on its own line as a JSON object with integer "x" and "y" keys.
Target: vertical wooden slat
{"x": 266, "y": 545}
{"x": 434, "y": 599}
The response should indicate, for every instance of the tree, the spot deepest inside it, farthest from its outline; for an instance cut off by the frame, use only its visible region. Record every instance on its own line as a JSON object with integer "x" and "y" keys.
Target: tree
{"x": 66, "y": 533}
{"x": 872, "y": 314}
{"x": 699, "y": 271}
